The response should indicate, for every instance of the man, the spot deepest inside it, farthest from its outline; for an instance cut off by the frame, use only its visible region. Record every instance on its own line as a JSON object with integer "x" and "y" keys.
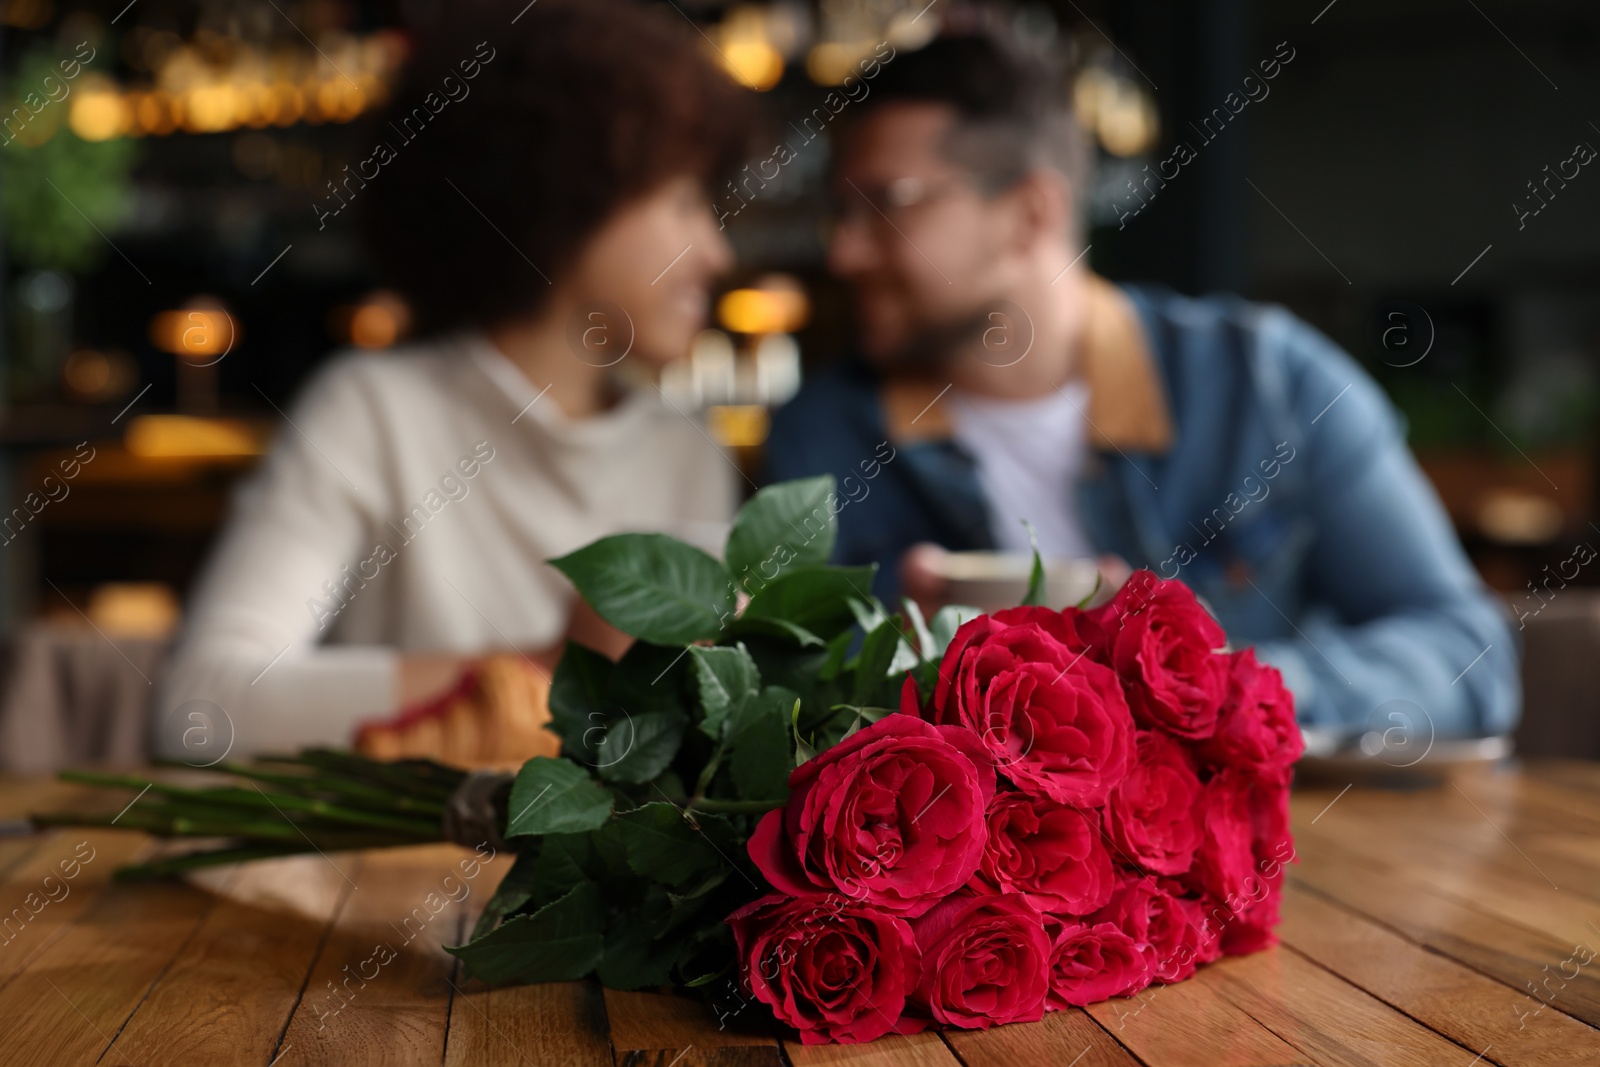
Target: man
{"x": 1222, "y": 443}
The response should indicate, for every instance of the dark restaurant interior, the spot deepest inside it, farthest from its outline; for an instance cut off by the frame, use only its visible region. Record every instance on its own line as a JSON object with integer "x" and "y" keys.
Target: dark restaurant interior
{"x": 176, "y": 262}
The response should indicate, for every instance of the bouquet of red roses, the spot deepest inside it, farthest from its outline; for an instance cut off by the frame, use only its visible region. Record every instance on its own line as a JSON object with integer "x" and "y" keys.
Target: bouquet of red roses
{"x": 1065, "y": 806}
{"x": 1085, "y": 803}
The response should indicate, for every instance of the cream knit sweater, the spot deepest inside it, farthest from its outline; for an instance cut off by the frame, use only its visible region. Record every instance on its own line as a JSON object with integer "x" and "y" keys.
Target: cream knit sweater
{"x": 409, "y": 504}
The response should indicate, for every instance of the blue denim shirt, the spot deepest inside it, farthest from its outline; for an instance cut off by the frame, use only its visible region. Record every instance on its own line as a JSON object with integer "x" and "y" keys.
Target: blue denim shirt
{"x": 1289, "y": 502}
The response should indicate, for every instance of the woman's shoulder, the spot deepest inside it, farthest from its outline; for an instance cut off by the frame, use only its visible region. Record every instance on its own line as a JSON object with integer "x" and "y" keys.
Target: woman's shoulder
{"x": 367, "y": 392}
{"x": 422, "y": 367}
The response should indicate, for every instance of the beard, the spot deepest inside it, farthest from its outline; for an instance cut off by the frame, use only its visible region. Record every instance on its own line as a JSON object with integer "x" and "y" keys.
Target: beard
{"x": 994, "y": 332}
{"x": 933, "y": 346}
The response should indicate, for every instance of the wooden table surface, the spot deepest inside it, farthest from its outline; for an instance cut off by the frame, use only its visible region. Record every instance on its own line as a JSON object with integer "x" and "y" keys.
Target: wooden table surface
{"x": 1453, "y": 925}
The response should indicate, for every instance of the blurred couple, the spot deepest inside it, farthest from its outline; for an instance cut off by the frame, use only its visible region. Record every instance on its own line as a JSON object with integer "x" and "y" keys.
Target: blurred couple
{"x": 1213, "y": 440}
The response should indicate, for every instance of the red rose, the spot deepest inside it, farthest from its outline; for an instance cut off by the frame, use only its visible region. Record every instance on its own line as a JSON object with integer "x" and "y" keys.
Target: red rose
{"x": 1270, "y": 838}
{"x": 1225, "y": 862}
{"x": 985, "y": 961}
{"x": 1256, "y": 730}
{"x": 892, "y": 816}
{"x": 1151, "y": 817}
{"x": 1055, "y": 721}
{"x": 834, "y": 969}
{"x": 1254, "y": 919}
{"x": 1162, "y": 644}
{"x": 1049, "y": 853}
{"x": 1271, "y": 846}
{"x": 1172, "y": 933}
{"x": 1075, "y": 628}
{"x": 1089, "y": 964}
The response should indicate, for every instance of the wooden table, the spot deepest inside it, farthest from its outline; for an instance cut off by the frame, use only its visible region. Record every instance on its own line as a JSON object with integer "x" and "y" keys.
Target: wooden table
{"x": 1417, "y": 930}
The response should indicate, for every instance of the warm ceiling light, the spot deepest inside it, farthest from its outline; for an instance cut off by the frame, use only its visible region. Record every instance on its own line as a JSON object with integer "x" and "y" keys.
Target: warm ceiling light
{"x": 197, "y": 333}
{"x": 756, "y": 64}
{"x": 287, "y": 104}
{"x": 339, "y": 100}
{"x": 210, "y": 108}
{"x": 98, "y": 112}
{"x": 374, "y": 326}
{"x": 98, "y": 376}
{"x": 761, "y": 311}
{"x": 378, "y": 321}
{"x": 1129, "y": 124}
{"x": 830, "y": 62}
{"x": 156, "y": 112}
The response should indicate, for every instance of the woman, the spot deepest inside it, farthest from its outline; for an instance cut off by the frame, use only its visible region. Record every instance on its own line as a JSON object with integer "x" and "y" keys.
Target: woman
{"x": 537, "y": 192}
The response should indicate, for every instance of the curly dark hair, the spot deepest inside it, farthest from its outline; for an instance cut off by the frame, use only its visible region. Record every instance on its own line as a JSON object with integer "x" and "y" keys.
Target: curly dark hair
{"x": 527, "y": 136}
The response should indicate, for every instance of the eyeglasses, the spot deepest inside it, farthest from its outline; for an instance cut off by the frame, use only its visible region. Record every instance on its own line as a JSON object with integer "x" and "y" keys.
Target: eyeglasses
{"x": 887, "y": 206}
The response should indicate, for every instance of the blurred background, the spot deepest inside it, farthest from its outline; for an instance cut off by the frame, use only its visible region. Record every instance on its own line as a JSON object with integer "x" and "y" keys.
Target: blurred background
{"x": 169, "y": 275}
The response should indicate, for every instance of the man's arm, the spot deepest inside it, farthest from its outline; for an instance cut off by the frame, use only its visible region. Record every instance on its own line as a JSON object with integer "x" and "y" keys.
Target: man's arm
{"x": 1398, "y": 614}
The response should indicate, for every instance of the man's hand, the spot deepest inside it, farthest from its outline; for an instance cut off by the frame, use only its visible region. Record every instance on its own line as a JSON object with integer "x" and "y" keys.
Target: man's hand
{"x": 1114, "y": 574}
{"x": 922, "y": 576}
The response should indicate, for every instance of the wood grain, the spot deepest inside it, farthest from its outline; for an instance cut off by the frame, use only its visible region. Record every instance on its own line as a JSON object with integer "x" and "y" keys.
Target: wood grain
{"x": 381, "y": 985}
{"x": 22, "y": 796}
{"x": 1467, "y": 1007}
{"x": 1331, "y": 1022}
{"x": 555, "y": 1023}
{"x": 1467, "y": 860}
{"x": 893, "y": 1050}
{"x": 1062, "y": 1037}
{"x": 1191, "y": 1023}
{"x": 228, "y": 993}
{"x": 52, "y": 906}
{"x": 1509, "y": 951}
{"x": 656, "y": 1029}
{"x": 64, "y": 1007}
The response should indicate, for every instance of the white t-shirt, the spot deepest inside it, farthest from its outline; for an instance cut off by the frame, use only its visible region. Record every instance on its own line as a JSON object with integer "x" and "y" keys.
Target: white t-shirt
{"x": 410, "y": 505}
{"x": 1029, "y": 455}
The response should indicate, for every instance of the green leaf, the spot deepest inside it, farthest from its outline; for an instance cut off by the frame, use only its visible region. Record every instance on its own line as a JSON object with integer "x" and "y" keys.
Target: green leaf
{"x": 919, "y": 626}
{"x": 639, "y": 747}
{"x": 761, "y": 757}
{"x": 838, "y": 650}
{"x": 636, "y": 956}
{"x": 561, "y": 942}
{"x": 726, "y": 677}
{"x": 1036, "y": 583}
{"x": 816, "y": 599}
{"x": 664, "y": 846}
{"x": 687, "y": 904}
{"x": 869, "y": 613}
{"x": 802, "y": 751}
{"x": 564, "y": 860}
{"x": 652, "y": 587}
{"x": 785, "y": 525}
{"x": 577, "y": 698}
{"x": 946, "y": 621}
{"x": 878, "y": 653}
{"x": 602, "y": 710}
{"x": 555, "y": 796}
{"x": 1086, "y": 601}
{"x": 862, "y": 716}
{"x": 780, "y": 628}
{"x": 514, "y": 890}
{"x": 649, "y": 678}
